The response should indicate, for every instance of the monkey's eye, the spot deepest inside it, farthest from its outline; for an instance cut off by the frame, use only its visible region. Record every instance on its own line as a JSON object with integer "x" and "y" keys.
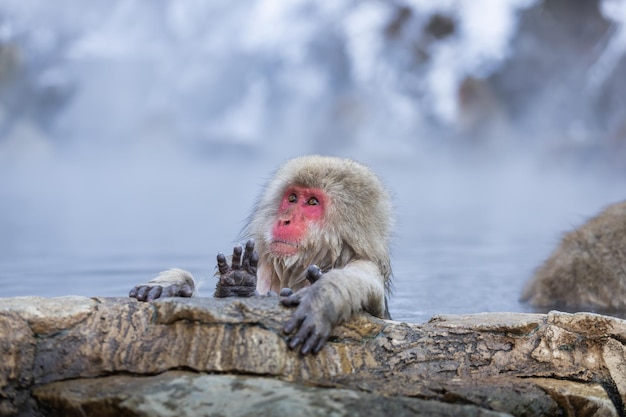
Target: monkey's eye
{"x": 312, "y": 201}
{"x": 292, "y": 198}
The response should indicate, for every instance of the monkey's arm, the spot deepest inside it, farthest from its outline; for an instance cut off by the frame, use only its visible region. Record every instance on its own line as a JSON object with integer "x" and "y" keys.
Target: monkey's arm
{"x": 332, "y": 299}
{"x": 171, "y": 283}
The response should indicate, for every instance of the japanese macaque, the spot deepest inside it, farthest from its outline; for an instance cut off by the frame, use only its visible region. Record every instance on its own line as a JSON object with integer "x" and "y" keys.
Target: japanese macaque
{"x": 588, "y": 268}
{"x": 319, "y": 234}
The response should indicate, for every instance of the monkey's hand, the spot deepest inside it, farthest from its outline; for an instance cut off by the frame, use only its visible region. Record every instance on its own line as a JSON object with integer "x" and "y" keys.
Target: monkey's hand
{"x": 170, "y": 283}
{"x": 311, "y": 323}
{"x": 238, "y": 279}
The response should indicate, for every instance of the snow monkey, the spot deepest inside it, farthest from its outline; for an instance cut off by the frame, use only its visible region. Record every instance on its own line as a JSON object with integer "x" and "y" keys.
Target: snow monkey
{"x": 319, "y": 234}
{"x": 588, "y": 268}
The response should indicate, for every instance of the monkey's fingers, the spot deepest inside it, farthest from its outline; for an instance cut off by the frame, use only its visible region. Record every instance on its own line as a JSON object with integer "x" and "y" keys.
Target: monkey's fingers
{"x": 177, "y": 290}
{"x": 235, "y": 263}
{"x": 305, "y": 332}
{"x": 321, "y": 341}
{"x": 313, "y": 273}
{"x": 247, "y": 254}
{"x": 310, "y": 343}
{"x": 170, "y": 291}
{"x": 186, "y": 291}
{"x": 286, "y": 292}
{"x": 313, "y": 335}
{"x": 314, "y": 343}
{"x": 294, "y": 322}
{"x": 222, "y": 265}
{"x": 142, "y": 292}
{"x": 254, "y": 262}
{"x": 154, "y": 293}
{"x": 292, "y": 300}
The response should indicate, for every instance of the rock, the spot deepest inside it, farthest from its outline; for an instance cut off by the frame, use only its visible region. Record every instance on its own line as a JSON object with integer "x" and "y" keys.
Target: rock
{"x": 117, "y": 356}
{"x": 586, "y": 270}
{"x": 577, "y": 399}
{"x": 46, "y": 316}
{"x": 179, "y": 393}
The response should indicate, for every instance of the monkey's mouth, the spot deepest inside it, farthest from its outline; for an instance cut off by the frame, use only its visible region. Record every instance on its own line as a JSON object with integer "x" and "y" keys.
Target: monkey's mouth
{"x": 283, "y": 248}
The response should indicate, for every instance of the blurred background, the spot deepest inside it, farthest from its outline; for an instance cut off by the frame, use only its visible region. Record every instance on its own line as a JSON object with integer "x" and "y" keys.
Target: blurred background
{"x": 135, "y": 135}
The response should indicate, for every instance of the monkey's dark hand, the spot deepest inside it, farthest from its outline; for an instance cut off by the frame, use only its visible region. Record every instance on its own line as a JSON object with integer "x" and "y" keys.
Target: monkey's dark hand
{"x": 238, "y": 279}
{"x": 311, "y": 323}
{"x": 170, "y": 283}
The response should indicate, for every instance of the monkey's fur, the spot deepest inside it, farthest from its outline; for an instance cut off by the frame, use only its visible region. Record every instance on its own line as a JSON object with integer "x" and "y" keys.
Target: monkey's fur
{"x": 349, "y": 244}
{"x": 587, "y": 269}
{"x": 356, "y": 225}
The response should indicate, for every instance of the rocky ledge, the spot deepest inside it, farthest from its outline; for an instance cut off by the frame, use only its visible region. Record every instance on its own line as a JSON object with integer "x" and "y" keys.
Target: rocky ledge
{"x": 75, "y": 356}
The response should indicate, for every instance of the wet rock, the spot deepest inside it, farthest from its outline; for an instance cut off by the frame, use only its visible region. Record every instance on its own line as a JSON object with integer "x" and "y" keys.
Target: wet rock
{"x": 110, "y": 356}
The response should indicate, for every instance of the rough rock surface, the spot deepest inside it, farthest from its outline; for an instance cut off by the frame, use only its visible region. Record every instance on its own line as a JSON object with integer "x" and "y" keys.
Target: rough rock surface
{"x": 116, "y": 356}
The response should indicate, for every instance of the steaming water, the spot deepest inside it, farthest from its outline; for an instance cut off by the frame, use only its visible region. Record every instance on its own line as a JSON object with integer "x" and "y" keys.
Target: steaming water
{"x": 134, "y": 137}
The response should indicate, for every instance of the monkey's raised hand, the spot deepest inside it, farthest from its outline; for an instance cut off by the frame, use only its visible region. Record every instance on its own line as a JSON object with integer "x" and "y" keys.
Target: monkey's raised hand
{"x": 238, "y": 279}
{"x": 314, "y": 319}
{"x": 171, "y": 283}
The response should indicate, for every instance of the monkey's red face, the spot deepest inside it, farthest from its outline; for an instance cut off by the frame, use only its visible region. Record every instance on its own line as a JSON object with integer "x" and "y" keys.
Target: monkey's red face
{"x": 299, "y": 208}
